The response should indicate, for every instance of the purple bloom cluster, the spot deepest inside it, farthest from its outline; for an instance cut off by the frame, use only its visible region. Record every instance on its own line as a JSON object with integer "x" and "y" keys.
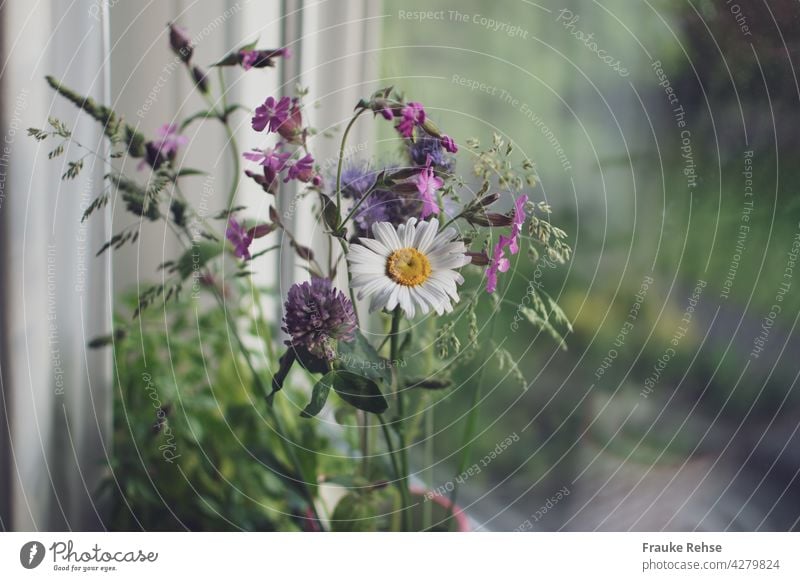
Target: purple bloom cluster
{"x": 426, "y": 148}
{"x": 357, "y": 179}
{"x": 317, "y": 316}
{"x": 386, "y": 206}
{"x": 274, "y": 161}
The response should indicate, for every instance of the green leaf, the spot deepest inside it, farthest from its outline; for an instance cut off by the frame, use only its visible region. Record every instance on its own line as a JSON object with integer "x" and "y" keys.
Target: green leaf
{"x": 359, "y": 391}
{"x": 319, "y": 396}
{"x": 188, "y": 171}
{"x": 285, "y": 365}
{"x": 361, "y": 358}
{"x": 196, "y": 257}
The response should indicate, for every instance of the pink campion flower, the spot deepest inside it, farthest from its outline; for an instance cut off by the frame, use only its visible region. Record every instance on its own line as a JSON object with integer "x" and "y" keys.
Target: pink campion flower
{"x": 412, "y": 114}
{"x": 165, "y": 147}
{"x": 448, "y": 143}
{"x": 261, "y": 58}
{"x": 271, "y": 114}
{"x": 498, "y": 263}
{"x": 428, "y": 183}
{"x": 248, "y": 58}
{"x": 292, "y": 128}
{"x": 273, "y": 160}
{"x": 302, "y": 169}
{"x": 240, "y": 237}
{"x": 518, "y": 221}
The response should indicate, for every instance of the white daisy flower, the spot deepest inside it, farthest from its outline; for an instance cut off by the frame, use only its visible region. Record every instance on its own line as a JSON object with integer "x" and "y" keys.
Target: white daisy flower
{"x": 411, "y": 266}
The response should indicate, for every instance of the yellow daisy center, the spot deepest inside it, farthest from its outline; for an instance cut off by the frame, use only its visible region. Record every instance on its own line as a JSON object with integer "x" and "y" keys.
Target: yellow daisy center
{"x": 408, "y": 267}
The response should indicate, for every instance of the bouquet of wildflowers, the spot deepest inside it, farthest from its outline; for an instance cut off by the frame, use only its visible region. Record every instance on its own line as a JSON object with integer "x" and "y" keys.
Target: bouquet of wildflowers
{"x": 412, "y": 251}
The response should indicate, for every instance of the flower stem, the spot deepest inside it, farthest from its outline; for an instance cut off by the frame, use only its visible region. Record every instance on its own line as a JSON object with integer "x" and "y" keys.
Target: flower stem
{"x": 341, "y": 162}
{"x": 394, "y": 343}
{"x": 279, "y": 428}
{"x": 236, "y": 162}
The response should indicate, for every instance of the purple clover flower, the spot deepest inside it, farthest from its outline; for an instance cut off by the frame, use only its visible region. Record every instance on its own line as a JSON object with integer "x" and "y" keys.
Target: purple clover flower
{"x": 271, "y": 114}
{"x": 317, "y": 316}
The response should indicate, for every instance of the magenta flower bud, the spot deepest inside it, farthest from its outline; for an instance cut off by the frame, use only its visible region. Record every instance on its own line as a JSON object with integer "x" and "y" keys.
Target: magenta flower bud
{"x": 180, "y": 42}
{"x": 448, "y": 143}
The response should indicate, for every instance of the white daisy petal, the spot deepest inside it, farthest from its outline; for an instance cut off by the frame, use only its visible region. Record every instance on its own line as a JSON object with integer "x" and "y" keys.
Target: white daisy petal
{"x": 406, "y": 303}
{"x": 394, "y": 296}
{"x": 376, "y": 246}
{"x": 373, "y": 286}
{"x": 419, "y": 298}
{"x": 385, "y": 233}
{"x": 380, "y": 298}
{"x": 425, "y": 238}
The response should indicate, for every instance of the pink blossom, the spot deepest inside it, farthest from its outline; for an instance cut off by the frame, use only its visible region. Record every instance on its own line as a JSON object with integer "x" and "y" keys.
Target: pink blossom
{"x": 240, "y": 237}
{"x": 249, "y": 58}
{"x": 428, "y": 183}
{"x": 164, "y": 148}
{"x": 448, "y": 143}
{"x": 498, "y": 263}
{"x": 518, "y": 221}
{"x": 302, "y": 169}
{"x": 273, "y": 160}
{"x": 412, "y": 114}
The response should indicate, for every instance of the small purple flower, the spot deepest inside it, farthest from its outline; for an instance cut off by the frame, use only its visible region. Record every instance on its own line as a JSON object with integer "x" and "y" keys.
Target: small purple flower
{"x": 498, "y": 263}
{"x": 317, "y": 316}
{"x": 428, "y": 183}
{"x": 386, "y": 206}
{"x": 518, "y": 221}
{"x": 448, "y": 143}
{"x": 259, "y": 59}
{"x": 273, "y": 160}
{"x": 302, "y": 169}
{"x": 429, "y": 148}
{"x": 240, "y": 237}
{"x": 248, "y": 58}
{"x": 387, "y": 113}
{"x": 357, "y": 179}
{"x": 413, "y": 114}
{"x": 165, "y": 147}
{"x": 271, "y": 114}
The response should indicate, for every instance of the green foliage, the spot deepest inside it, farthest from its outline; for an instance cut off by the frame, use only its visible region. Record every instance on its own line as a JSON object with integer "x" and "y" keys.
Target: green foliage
{"x": 190, "y": 445}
